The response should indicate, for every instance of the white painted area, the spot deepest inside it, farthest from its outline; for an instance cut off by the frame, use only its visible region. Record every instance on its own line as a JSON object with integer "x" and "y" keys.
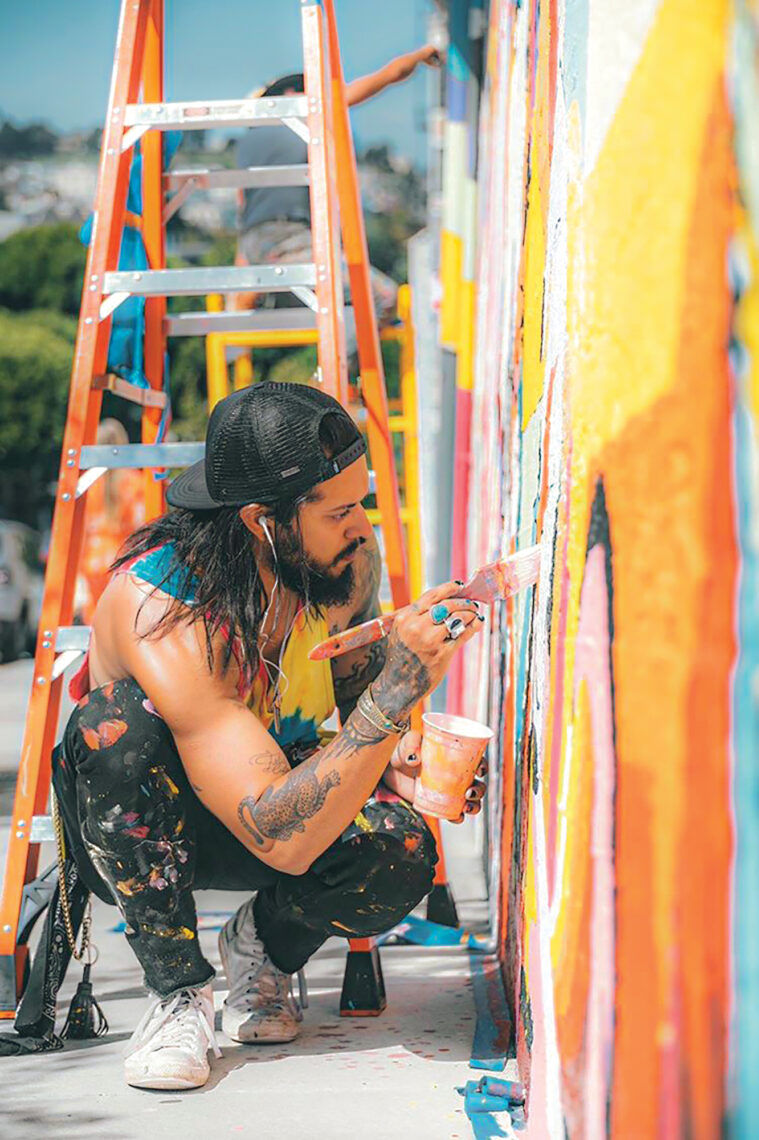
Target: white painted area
{"x": 616, "y": 35}
{"x": 455, "y": 161}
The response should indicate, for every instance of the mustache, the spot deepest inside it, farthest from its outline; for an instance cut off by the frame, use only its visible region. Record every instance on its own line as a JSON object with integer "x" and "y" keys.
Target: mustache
{"x": 351, "y": 548}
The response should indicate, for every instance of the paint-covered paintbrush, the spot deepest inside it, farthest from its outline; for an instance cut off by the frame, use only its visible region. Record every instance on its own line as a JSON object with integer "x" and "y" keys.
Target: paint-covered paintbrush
{"x": 488, "y": 584}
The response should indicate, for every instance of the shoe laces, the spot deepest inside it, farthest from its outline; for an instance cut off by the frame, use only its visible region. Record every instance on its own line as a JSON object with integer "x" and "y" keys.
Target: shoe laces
{"x": 176, "y": 1022}
{"x": 264, "y": 983}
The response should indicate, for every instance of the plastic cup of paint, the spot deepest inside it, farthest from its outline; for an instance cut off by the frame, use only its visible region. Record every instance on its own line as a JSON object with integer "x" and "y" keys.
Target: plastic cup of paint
{"x": 452, "y": 748}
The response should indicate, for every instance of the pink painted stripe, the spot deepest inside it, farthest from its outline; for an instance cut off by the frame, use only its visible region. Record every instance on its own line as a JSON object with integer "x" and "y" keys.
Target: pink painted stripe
{"x": 461, "y": 469}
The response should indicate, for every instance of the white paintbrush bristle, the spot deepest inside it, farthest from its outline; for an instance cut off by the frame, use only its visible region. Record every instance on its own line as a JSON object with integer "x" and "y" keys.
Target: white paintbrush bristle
{"x": 525, "y": 565}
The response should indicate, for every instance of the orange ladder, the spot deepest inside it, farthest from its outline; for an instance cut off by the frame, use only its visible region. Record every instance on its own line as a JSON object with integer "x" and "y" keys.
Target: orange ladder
{"x": 137, "y": 111}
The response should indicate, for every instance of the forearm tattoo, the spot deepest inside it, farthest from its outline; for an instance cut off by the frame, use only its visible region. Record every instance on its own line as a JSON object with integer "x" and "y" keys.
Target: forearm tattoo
{"x": 280, "y": 813}
{"x": 349, "y": 686}
{"x": 403, "y": 681}
{"x": 356, "y": 671}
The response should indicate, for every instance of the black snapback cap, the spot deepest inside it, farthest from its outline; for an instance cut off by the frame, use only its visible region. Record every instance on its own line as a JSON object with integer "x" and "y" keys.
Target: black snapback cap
{"x": 263, "y": 446}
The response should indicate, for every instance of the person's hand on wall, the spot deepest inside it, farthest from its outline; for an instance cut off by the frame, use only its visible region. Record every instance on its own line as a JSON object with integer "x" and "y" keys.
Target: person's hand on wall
{"x": 407, "y": 64}
{"x": 402, "y": 771}
{"x": 396, "y": 71}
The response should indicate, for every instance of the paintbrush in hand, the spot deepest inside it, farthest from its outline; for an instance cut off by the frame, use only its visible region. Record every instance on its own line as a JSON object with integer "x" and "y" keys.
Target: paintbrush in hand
{"x": 488, "y": 584}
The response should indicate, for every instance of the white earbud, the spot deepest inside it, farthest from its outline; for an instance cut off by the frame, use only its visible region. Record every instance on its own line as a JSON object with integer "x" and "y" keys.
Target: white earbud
{"x": 265, "y": 527}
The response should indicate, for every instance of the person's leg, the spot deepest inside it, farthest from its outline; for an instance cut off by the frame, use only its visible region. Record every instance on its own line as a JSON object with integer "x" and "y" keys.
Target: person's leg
{"x": 379, "y": 869}
{"x": 274, "y": 242}
{"x": 139, "y": 824}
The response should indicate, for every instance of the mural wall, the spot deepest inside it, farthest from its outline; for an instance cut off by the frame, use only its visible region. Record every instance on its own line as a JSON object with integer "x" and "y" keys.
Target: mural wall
{"x": 615, "y": 405}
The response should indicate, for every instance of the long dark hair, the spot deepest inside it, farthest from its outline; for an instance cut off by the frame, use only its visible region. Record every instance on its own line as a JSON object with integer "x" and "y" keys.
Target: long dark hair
{"x": 214, "y": 562}
{"x": 293, "y": 82}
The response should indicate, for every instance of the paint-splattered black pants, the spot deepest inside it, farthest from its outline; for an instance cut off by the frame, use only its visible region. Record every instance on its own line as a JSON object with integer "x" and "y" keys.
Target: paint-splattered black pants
{"x": 121, "y": 783}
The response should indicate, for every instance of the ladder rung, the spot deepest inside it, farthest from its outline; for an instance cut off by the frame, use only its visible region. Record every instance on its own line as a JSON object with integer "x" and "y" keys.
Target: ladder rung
{"x": 142, "y": 455}
{"x": 216, "y": 279}
{"x": 206, "y": 178}
{"x": 73, "y": 637}
{"x": 215, "y": 113}
{"x": 42, "y": 830}
{"x": 145, "y": 397}
{"x": 249, "y": 320}
{"x": 151, "y": 455}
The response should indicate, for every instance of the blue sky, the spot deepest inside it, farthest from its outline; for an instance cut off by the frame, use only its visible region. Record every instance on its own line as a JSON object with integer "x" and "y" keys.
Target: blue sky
{"x": 56, "y": 55}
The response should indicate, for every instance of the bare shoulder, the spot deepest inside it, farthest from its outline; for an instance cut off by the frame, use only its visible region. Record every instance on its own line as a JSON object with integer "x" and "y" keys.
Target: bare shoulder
{"x": 175, "y": 658}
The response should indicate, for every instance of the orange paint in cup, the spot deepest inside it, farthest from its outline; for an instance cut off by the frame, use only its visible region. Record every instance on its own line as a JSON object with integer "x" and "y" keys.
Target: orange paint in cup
{"x": 452, "y": 748}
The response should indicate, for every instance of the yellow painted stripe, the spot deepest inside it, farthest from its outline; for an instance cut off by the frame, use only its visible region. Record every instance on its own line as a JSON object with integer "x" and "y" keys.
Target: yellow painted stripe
{"x": 465, "y": 370}
{"x": 450, "y": 277}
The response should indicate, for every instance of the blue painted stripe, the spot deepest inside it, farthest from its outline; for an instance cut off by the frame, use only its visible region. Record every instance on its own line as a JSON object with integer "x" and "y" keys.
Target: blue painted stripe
{"x": 746, "y": 794}
{"x": 458, "y": 68}
{"x": 456, "y": 100}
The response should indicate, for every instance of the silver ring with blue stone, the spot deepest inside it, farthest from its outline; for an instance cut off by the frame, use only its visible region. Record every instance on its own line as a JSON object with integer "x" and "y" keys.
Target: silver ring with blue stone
{"x": 439, "y": 613}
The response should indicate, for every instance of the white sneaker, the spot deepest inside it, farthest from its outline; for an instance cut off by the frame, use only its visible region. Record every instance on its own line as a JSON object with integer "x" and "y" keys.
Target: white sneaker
{"x": 168, "y": 1049}
{"x": 260, "y": 1006}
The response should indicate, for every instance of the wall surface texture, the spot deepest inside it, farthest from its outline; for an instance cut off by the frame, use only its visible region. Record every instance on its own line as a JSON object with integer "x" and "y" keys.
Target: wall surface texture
{"x": 615, "y": 405}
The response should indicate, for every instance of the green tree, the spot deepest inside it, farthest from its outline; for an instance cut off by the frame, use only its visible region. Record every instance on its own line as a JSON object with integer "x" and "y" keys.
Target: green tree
{"x": 36, "y": 349}
{"x": 26, "y": 142}
{"x": 42, "y": 268}
{"x": 386, "y": 236}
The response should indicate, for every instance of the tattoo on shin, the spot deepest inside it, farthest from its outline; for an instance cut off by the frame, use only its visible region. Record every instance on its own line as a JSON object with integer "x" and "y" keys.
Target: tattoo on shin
{"x": 403, "y": 681}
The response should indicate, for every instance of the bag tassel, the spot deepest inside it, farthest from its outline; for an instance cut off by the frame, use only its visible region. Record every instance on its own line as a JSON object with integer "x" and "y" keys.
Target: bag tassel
{"x": 85, "y": 1018}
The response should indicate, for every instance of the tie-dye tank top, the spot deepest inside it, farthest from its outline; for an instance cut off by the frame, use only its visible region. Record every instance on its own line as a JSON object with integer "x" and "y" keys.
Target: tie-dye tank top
{"x": 307, "y": 695}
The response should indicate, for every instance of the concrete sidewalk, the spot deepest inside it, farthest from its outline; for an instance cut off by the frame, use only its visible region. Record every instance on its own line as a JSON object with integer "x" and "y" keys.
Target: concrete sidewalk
{"x": 344, "y": 1078}
{"x": 15, "y": 686}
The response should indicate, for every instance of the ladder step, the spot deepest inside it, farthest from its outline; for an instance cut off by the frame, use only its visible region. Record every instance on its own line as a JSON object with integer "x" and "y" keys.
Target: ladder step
{"x": 145, "y": 397}
{"x": 216, "y": 279}
{"x": 216, "y": 113}
{"x": 249, "y": 320}
{"x": 208, "y": 177}
{"x": 42, "y": 830}
{"x": 152, "y": 455}
{"x": 73, "y": 637}
{"x": 142, "y": 455}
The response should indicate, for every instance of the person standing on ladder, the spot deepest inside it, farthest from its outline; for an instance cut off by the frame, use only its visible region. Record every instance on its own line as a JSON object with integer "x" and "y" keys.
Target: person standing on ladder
{"x": 192, "y": 758}
{"x": 275, "y": 222}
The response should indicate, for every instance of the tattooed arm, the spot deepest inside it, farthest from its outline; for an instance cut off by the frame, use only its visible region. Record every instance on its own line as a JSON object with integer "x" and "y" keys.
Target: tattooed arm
{"x": 287, "y": 818}
{"x": 354, "y": 672}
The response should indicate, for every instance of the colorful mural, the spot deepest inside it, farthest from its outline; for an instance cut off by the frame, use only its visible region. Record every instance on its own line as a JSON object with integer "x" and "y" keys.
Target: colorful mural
{"x": 615, "y": 405}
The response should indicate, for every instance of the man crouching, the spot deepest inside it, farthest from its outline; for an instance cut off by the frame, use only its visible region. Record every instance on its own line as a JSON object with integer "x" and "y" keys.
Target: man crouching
{"x": 192, "y": 756}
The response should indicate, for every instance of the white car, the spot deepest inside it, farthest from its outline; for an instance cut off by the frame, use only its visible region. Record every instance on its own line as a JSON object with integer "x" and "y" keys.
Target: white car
{"x": 21, "y": 583}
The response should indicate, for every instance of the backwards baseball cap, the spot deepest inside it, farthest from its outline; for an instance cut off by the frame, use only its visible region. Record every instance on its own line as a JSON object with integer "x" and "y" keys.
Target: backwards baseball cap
{"x": 263, "y": 445}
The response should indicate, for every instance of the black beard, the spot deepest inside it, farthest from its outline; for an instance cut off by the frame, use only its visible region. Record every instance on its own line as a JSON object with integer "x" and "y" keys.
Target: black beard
{"x": 310, "y": 580}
